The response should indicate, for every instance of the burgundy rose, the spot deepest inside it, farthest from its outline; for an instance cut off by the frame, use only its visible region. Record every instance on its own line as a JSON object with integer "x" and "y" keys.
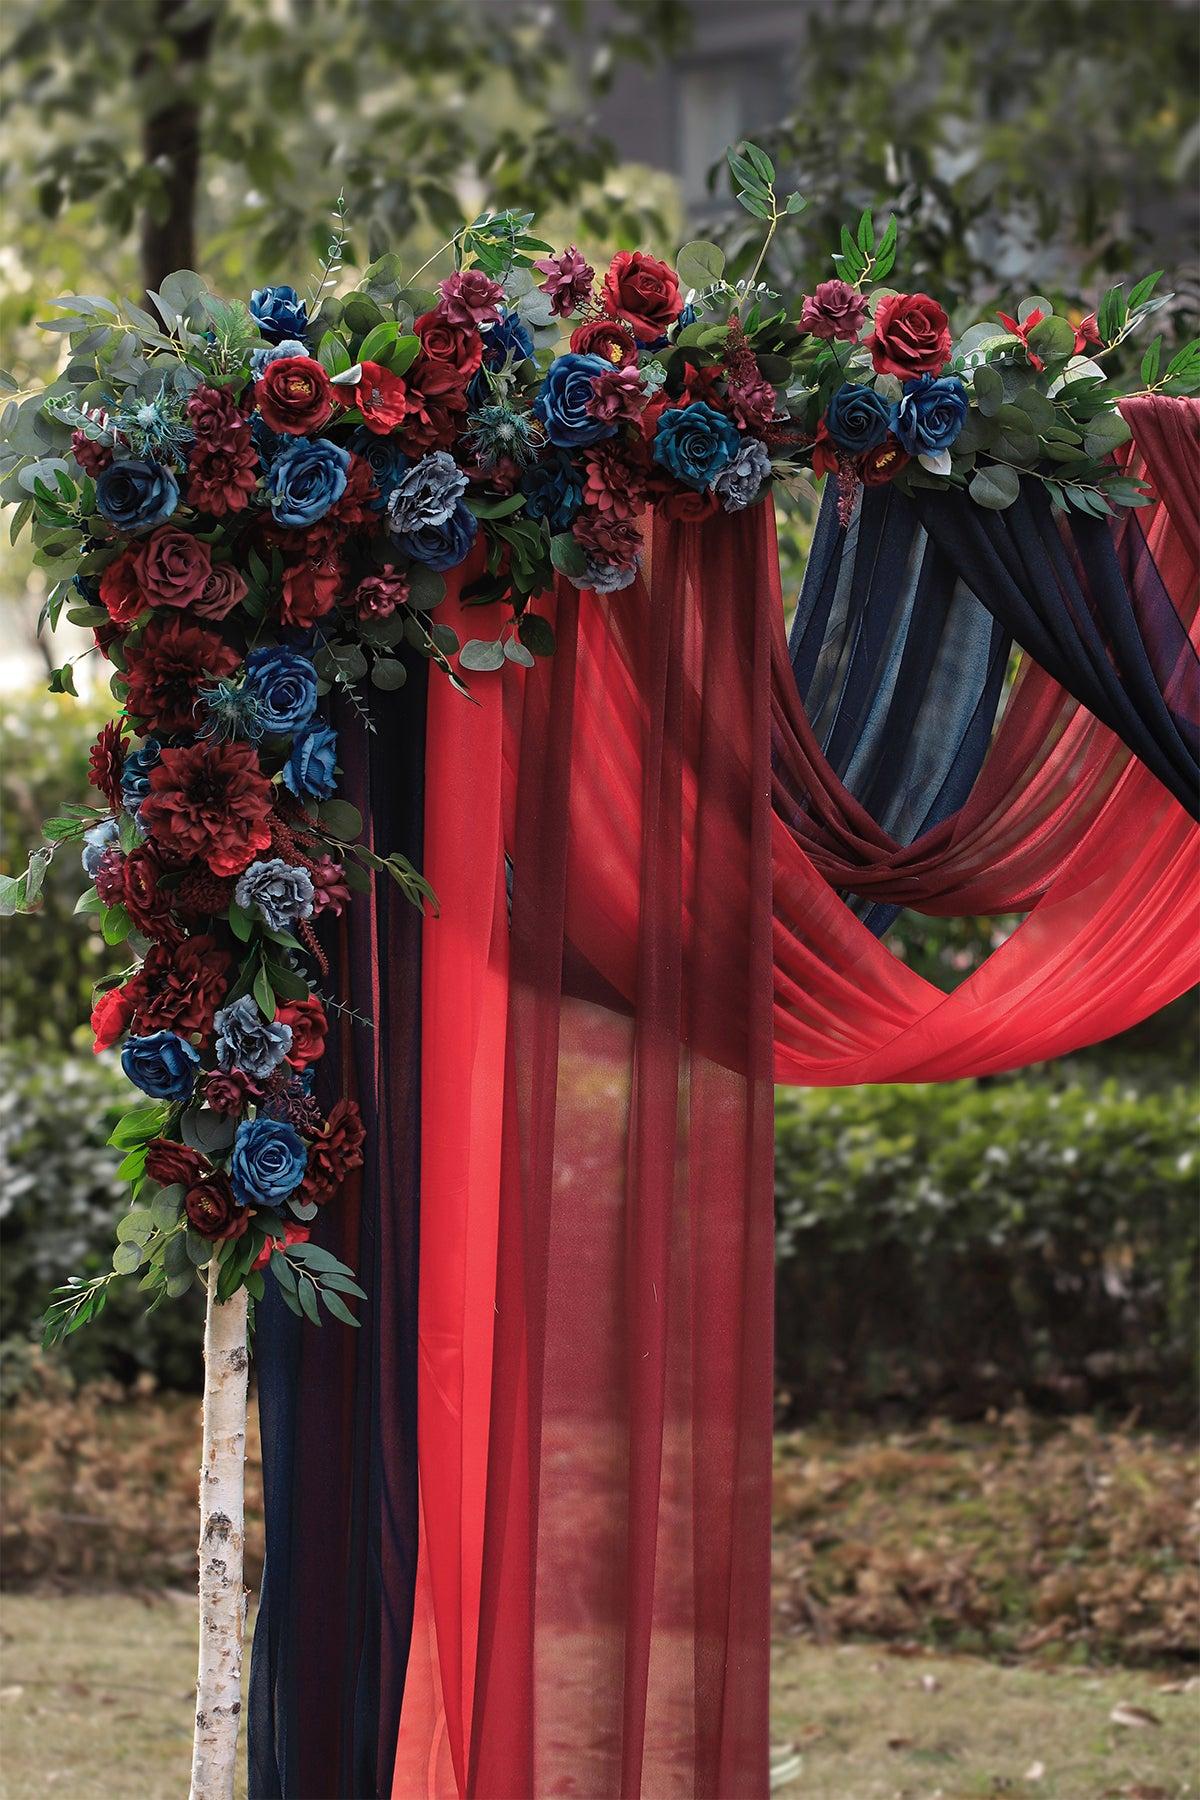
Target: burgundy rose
{"x": 229, "y": 1091}
{"x": 111, "y": 1019}
{"x": 613, "y": 540}
{"x": 834, "y": 310}
{"x": 610, "y": 338}
{"x": 168, "y": 1162}
{"x": 687, "y": 506}
{"x": 168, "y": 665}
{"x": 450, "y": 354}
{"x": 106, "y": 759}
{"x": 876, "y": 467}
{"x": 148, "y": 904}
{"x": 210, "y": 803}
{"x": 171, "y": 567}
{"x": 294, "y": 394}
{"x": 93, "y": 458}
{"x": 224, "y": 589}
{"x": 378, "y": 596}
{"x": 330, "y": 890}
{"x": 333, "y": 1153}
{"x": 214, "y": 417}
{"x": 224, "y": 480}
{"x": 911, "y": 336}
{"x": 469, "y": 297}
{"x": 618, "y": 395}
{"x": 312, "y": 581}
{"x": 309, "y": 1026}
{"x": 644, "y": 291}
{"x": 179, "y": 987}
{"x": 212, "y": 1212}
{"x": 119, "y": 590}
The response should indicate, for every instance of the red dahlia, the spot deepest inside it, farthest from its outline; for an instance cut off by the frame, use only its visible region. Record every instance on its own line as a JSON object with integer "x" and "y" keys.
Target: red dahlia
{"x": 224, "y": 480}
{"x": 210, "y": 803}
{"x": 179, "y": 987}
{"x": 167, "y": 666}
{"x": 105, "y": 762}
{"x": 333, "y": 1153}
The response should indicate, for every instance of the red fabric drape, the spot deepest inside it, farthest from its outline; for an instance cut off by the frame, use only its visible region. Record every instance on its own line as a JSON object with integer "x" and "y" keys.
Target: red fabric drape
{"x": 596, "y": 1206}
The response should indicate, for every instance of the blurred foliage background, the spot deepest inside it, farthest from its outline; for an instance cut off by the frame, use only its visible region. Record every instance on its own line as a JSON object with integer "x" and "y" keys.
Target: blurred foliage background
{"x": 953, "y": 1247}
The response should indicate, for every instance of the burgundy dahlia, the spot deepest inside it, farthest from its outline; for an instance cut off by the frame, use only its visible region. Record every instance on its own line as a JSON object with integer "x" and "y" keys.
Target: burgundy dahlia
{"x": 168, "y": 665}
{"x": 210, "y": 803}
{"x": 224, "y": 480}
{"x": 378, "y": 596}
{"x": 215, "y": 419}
{"x": 179, "y": 986}
{"x": 106, "y": 759}
{"x": 148, "y": 903}
{"x": 333, "y": 1153}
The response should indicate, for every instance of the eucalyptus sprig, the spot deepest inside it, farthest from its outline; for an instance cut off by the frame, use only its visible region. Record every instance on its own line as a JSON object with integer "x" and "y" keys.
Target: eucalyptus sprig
{"x": 754, "y": 173}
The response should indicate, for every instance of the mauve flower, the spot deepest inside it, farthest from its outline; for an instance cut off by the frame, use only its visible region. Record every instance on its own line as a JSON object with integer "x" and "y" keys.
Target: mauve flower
{"x": 229, "y": 1091}
{"x": 752, "y": 402}
{"x": 469, "y": 297}
{"x": 378, "y": 596}
{"x": 617, "y": 395}
{"x": 834, "y": 310}
{"x": 245, "y": 1040}
{"x": 426, "y": 493}
{"x": 171, "y": 567}
{"x": 215, "y": 419}
{"x": 278, "y": 892}
{"x": 210, "y": 803}
{"x": 331, "y": 892}
{"x": 92, "y": 457}
{"x": 224, "y": 589}
{"x": 225, "y": 480}
{"x": 616, "y": 541}
{"x": 568, "y": 280}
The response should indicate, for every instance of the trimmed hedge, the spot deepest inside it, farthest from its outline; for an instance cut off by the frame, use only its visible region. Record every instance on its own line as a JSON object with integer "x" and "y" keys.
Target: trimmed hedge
{"x": 965, "y": 1245}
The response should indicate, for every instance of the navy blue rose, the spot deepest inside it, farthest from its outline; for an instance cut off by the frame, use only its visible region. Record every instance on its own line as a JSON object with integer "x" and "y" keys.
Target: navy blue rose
{"x": 509, "y": 336}
{"x": 245, "y": 1040}
{"x": 932, "y": 412}
{"x": 306, "y": 478}
{"x": 268, "y": 1162}
{"x": 280, "y": 313}
{"x": 133, "y": 496}
{"x": 553, "y": 491}
{"x": 312, "y": 766}
{"x": 695, "y": 442}
{"x": 858, "y": 418}
{"x": 96, "y": 840}
{"x": 562, "y": 405}
{"x": 163, "y": 1065}
{"x": 283, "y": 684}
{"x": 385, "y": 459}
{"x": 135, "y": 770}
{"x": 441, "y": 546}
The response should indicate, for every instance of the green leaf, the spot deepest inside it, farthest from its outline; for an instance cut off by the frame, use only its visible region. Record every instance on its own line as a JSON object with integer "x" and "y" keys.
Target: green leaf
{"x": 989, "y": 391}
{"x": 115, "y": 924}
{"x": 426, "y": 588}
{"x": 137, "y": 1126}
{"x": 333, "y": 355}
{"x": 240, "y": 921}
{"x": 1038, "y": 410}
{"x": 1143, "y": 289}
{"x": 567, "y": 554}
{"x": 308, "y": 1299}
{"x": 337, "y": 1306}
{"x": 164, "y": 1208}
{"x": 388, "y": 674}
{"x": 536, "y": 633}
{"x": 764, "y": 168}
{"x": 516, "y": 652}
{"x": 264, "y": 994}
{"x": 1104, "y": 433}
{"x": 700, "y": 264}
{"x": 754, "y": 205}
{"x": 340, "y": 820}
{"x": 994, "y": 486}
{"x": 1150, "y": 362}
{"x": 282, "y": 1271}
{"x": 1053, "y": 337}
{"x": 865, "y": 236}
{"x": 479, "y": 655}
{"x": 135, "y": 1227}
{"x": 126, "y": 1258}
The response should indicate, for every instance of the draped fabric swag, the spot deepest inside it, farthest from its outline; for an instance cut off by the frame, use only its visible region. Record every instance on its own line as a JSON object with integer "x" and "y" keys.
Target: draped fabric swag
{"x": 705, "y": 835}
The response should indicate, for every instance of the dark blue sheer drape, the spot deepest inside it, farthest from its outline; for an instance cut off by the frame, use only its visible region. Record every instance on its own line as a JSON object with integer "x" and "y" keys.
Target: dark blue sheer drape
{"x": 338, "y": 1406}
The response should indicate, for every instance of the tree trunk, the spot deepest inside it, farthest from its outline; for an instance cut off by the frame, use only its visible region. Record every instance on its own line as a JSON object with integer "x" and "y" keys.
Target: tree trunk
{"x": 222, "y": 1543}
{"x": 171, "y": 139}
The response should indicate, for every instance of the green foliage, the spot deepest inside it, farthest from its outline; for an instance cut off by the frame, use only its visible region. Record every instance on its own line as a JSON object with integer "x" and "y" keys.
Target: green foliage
{"x": 964, "y": 1244}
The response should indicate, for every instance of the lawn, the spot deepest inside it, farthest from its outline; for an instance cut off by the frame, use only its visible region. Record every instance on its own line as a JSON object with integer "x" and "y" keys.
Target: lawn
{"x": 96, "y": 1704}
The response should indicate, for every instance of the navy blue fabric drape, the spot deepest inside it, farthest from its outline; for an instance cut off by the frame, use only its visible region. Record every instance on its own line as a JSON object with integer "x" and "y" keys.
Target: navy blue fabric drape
{"x": 338, "y": 1406}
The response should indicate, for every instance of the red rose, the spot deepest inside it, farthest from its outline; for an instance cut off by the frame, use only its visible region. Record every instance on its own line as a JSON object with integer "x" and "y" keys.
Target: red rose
{"x": 224, "y": 589}
{"x": 106, "y": 759}
{"x": 166, "y": 668}
{"x": 450, "y": 354}
{"x": 210, "y": 803}
{"x": 313, "y": 580}
{"x": 333, "y": 1153}
{"x": 381, "y": 397}
{"x": 111, "y": 1019}
{"x": 119, "y": 589}
{"x": 686, "y": 506}
{"x": 229, "y": 1091}
{"x": 911, "y": 336}
{"x": 378, "y": 596}
{"x": 171, "y": 567}
{"x": 179, "y": 987}
{"x": 224, "y": 480}
{"x": 212, "y": 1212}
{"x": 294, "y": 394}
{"x": 293, "y": 1233}
{"x": 309, "y": 1025}
{"x": 168, "y": 1162}
{"x": 644, "y": 291}
{"x": 876, "y": 467}
{"x": 148, "y": 904}
{"x": 214, "y": 417}
{"x": 609, "y": 338}
{"x": 613, "y": 540}
{"x": 93, "y": 458}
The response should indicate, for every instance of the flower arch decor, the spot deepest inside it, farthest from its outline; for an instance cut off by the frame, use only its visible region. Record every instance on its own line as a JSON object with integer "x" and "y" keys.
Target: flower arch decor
{"x": 253, "y": 505}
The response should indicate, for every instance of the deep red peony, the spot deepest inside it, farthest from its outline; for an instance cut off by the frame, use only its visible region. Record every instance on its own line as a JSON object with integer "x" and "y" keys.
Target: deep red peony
{"x": 168, "y": 665}
{"x": 179, "y": 986}
{"x": 450, "y": 354}
{"x": 333, "y": 1153}
{"x": 381, "y": 397}
{"x": 876, "y": 467}
{"x": 911, "y": 336}
{"x": 171, "y": 567}
{"x": 309, "y": 1026}
{"x": 687, "y": 506}
{"x": 610, "y": 338}
{"x": 212, "y": 1212}
{"x": 643, "y": 290}
{"x": 168, "y": 1162}
{"x": 294, "y": 395}
{"x": 214, "y": 417}
{"x": 210, "y": 803}
{"x": 225, "y": 480}
{"x": 112, "y": 1016}
{"x": 106, "y": 759}
{"x": 119, "y": 590}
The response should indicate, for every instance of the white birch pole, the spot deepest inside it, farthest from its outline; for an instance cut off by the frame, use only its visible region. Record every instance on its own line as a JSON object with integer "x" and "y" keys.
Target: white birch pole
{"x": 222, "y": 1544}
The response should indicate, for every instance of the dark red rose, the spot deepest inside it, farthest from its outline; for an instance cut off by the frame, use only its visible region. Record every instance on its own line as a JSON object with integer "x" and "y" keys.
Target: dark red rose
{"x": 834, "y": 310}
{"x": 224, "y": 480}
{"x": 167, "y": 666}
{"x": 686, "y": 506}
{"x": 644, "y": 291}
{"x": 168, "y": 1162}
{"x": 224, "y": 589}
{"x": 333, "y": 1153}
{"x": 148, "y": 904}
{"x": 382, "y": 398}
{"x": 212, "y": 1212}
{"x": 876, "y": 467}
{"x": 214, "y": 417}
{"x": 210, "y": 803}
{"x": 119, "y": 589}
{"x": 93, "y": 458}
{"x": 432, "y": 421}
{"x": 229, "y": 1091}
{"x": 294, "y": 394}
{"x": 450, "y": 353}
{"x": 613, "y": 540}
{"x": 330, "y": 890}
{"x": 309, "y": 1026}
{"x": 608, "y": 338}
{"x": 106, "y": 759}
{"x": 911, "y": 336}
{"x": 111, "y": 1019}
{"x": 378, "y": 596}
{"x": 312, "y": 582}
{"x": 171, "y": 567}
{"x": 356, "y": 504}
{"x": 293, "y": 1233}
{"x": 180, "y": 986}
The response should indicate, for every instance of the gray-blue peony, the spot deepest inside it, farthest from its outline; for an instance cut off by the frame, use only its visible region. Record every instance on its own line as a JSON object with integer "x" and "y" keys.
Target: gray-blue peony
{"x": 426, "y": 493}
{"x": 247, "y": 1041}
{"x": 740, "y": 482}
{"x": 278, "y": 892}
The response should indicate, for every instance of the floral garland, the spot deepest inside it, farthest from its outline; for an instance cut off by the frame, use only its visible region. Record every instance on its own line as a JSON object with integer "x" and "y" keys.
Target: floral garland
{"x": 255, "y": 504}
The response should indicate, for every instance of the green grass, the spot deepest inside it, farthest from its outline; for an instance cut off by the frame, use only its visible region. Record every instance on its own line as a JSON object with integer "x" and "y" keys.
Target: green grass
{"x": 96, "y": 1704}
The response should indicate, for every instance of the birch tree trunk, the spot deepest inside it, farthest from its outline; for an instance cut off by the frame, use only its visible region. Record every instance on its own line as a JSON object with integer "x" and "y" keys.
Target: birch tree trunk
{"x": 222, "y": 1542}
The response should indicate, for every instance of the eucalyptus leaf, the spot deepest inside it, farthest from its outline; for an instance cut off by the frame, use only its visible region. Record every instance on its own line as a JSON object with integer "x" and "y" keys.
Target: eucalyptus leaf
{"x": 477, "y": 654}
{"x": 995, "y": 486}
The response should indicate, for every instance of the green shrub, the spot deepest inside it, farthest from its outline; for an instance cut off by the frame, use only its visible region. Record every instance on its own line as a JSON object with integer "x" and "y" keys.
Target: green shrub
{"x": 965, "y": 1244}
{"x": 59, "y": 1203}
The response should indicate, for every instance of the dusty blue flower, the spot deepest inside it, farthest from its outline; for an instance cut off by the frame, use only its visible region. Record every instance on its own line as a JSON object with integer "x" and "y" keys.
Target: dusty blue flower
{"x": 163, "y": 1065}
{"x": 740, "y": 482}
{"x": 284, "y": 685}
{"x": 268, "y": 1162}
{"x": 278, "y": 892}
{"x": 606, "y": 578}
{"x": 311, "y": 769}
{"x": 426, "y": 493}
{"x": 260, "y": 359}
{"x": 133, "y": 496}
{"x": 307, "y": 477}
{"x": 280, "y": 313}
{"x": 96, "y": 840}
{"x": 247, "y": 1041}
{"x": 695, "y": 442}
